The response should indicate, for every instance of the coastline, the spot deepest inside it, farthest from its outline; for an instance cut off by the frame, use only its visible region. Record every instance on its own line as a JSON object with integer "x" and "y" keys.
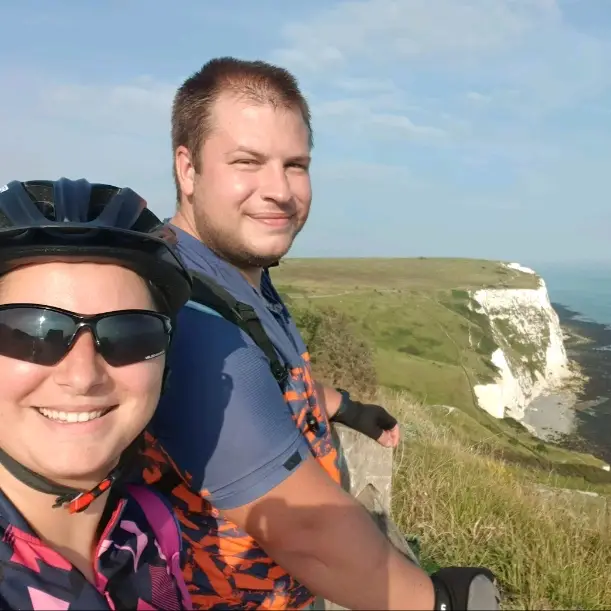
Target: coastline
{"x": 578, "y": 416}
{"x": 551, "y": 417}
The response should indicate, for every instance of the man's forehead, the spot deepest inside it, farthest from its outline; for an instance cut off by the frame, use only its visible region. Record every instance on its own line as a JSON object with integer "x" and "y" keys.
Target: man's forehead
{"x": 246, "y": 125}
{"x": 229, "y": 110}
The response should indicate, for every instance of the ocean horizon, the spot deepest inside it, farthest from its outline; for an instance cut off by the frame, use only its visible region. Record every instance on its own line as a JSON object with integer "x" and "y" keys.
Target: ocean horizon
{"x": 582, "y": 287}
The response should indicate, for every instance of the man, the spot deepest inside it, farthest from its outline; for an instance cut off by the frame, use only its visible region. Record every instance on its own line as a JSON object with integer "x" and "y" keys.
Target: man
{"x": 256, "y": 485}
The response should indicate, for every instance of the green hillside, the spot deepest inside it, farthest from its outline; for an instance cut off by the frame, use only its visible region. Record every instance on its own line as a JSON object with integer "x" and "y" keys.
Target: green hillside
{"x": 473, "y": 489}
{"x": 413, "y": 312}
{"x": 411, "y": 319}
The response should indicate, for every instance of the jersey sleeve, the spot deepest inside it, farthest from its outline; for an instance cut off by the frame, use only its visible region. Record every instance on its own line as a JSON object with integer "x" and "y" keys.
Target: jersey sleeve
{"x": 223, "y": 419}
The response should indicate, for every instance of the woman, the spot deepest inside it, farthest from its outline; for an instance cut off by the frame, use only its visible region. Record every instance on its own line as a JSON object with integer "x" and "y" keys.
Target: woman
{"x": 89, "y": 286}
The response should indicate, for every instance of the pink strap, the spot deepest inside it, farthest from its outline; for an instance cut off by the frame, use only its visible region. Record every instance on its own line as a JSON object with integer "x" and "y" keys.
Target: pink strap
{"x": 167, "y": 533}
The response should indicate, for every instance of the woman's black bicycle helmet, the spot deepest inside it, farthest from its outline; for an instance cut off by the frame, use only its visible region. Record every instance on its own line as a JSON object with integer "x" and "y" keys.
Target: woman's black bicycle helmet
{"x": 76, "y": 218}
{"x": 79, "y": 220}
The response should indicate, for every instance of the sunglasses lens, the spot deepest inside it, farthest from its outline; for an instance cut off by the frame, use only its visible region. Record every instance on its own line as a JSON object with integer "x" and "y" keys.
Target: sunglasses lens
{"x": 130, "y": 338}
{"x": 34, "y": 335}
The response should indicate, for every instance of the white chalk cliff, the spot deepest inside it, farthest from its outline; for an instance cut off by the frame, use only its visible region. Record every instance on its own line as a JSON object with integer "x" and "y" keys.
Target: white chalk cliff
{"x": 530, "y": 356}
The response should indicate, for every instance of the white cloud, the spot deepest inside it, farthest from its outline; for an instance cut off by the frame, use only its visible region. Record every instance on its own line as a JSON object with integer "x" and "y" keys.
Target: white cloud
{"x": 365, "y": 116}
{"x": 131, "y": 106}
{"x": 365, "y": 172}
{"x": 404, "y": 125}
{"x": 521, "y": 45}
{"x": 117, "y": 133}
{"x": 478, "y": 98}
{"x": 368, "y": 85}
{"x": 398, "y": 29}
{"x": 309, "y": 58}
{"x": 487, "y": 81}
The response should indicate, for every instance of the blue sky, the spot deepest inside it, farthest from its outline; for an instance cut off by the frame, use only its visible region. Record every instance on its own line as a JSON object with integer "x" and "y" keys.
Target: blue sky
{"x": 478, "y": 128}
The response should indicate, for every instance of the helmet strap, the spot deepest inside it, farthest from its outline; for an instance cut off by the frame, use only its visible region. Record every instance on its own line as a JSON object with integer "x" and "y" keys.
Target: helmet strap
{"x": 76, "y": 500}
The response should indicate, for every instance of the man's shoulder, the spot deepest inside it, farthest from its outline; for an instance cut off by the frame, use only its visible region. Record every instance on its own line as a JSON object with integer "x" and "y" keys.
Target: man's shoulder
{"x": 203, "y": 337}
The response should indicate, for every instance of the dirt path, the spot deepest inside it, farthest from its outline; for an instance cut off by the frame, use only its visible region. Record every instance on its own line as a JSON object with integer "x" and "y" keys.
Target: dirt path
{"x": 351, "y": 292}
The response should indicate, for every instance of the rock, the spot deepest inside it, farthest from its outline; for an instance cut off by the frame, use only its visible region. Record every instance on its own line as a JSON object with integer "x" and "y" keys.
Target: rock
{"x": 366, "y": 470}
{"x": 582, "y": 504}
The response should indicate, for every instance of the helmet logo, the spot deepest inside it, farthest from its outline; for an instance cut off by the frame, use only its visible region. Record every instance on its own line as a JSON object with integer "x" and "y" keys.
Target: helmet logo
{"x": 3, "y": 188}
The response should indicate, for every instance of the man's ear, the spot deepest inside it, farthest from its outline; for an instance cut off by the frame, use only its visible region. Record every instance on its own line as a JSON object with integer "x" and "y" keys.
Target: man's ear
{"x": 185, "y": 170}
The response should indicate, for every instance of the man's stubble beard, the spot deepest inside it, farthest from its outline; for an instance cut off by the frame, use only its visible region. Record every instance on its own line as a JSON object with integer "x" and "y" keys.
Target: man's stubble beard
{"x": 230, "y": 250}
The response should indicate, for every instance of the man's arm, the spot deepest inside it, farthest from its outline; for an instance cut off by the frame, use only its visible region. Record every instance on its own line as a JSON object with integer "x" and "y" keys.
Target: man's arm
{"x": 326, "y": 539}
{"x": 227, "y": 428}
{"x": 330, "y": 399}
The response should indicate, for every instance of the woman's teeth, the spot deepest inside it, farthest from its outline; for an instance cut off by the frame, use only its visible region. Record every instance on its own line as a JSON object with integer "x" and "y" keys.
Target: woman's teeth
{"x": 70, "y": 417}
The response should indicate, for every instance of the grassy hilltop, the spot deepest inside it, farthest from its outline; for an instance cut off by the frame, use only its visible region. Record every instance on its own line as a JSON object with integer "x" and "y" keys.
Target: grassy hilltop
{"x": 319, "y": 276}
{"x": 413, "y": 313}
{"x": 473, "y": 488}
{"x": 413, "y": 324}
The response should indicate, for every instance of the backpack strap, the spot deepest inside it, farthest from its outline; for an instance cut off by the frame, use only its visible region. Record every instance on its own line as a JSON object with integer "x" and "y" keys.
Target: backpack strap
{"x": 207, "y": 292}
{"x": 167, "y": 532}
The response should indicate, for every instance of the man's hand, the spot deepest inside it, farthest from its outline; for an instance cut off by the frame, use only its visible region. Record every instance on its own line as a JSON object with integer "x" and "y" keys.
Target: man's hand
{"x": 370, "y": 419}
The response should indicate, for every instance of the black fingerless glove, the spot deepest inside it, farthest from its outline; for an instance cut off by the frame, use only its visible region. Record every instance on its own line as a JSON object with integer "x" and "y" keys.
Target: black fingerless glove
{"x": 371, "y": 420}
{"x": 465, "y": 589}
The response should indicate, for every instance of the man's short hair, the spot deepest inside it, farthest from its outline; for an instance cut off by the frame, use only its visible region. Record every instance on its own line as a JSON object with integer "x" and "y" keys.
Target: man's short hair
{"x": 256, "y": 81}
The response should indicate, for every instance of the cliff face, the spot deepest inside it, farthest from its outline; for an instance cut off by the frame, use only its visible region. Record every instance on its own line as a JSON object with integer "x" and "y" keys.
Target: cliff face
{"x": 530, "y": 357}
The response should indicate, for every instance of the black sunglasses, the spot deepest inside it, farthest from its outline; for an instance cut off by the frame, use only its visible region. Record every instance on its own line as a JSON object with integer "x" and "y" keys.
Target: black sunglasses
{"x": 44, "y": 335}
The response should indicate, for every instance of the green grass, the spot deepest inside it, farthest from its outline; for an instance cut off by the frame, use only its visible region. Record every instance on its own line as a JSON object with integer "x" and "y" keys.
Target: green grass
{"x": 336, "y": 275}
{"x": 420, "y": 343}
{"x": 467, "y": 507}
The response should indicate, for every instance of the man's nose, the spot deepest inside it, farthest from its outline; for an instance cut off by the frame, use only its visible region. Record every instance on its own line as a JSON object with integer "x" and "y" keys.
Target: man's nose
{"x": 275, "y": 185}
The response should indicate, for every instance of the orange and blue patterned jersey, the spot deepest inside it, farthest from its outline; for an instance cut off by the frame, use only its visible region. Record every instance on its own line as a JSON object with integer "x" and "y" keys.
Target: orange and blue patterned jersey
{"x": 231, "y": 434}
{"x": 131, "y": 571}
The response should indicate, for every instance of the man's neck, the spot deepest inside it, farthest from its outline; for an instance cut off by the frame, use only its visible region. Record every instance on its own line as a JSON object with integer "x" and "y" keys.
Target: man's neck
{"x": 252, "y": 274}
{"x": 186, "y": 224}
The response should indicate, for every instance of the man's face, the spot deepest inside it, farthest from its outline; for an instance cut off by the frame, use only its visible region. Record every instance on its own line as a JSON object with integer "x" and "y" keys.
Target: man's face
{"x": 253, "y": 193}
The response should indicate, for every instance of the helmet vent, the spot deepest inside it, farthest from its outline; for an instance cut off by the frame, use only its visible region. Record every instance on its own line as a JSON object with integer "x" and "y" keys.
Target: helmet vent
{"x": 42, "y": 196}
{"x": 99, "y": 198}
{"x": 5, "y": 222}
{"x": 47, "y": 209}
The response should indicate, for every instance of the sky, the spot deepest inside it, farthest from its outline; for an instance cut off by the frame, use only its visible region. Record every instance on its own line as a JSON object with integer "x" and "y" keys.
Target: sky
{"x": 472, "y": 128}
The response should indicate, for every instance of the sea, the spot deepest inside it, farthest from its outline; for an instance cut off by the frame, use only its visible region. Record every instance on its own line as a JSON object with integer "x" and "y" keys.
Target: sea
{"x": 584, "y": 288}
{"x": 581, "y": 295}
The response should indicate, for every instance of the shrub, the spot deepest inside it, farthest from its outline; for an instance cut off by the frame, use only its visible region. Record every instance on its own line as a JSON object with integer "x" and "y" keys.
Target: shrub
{"x": 339, "y": 356}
